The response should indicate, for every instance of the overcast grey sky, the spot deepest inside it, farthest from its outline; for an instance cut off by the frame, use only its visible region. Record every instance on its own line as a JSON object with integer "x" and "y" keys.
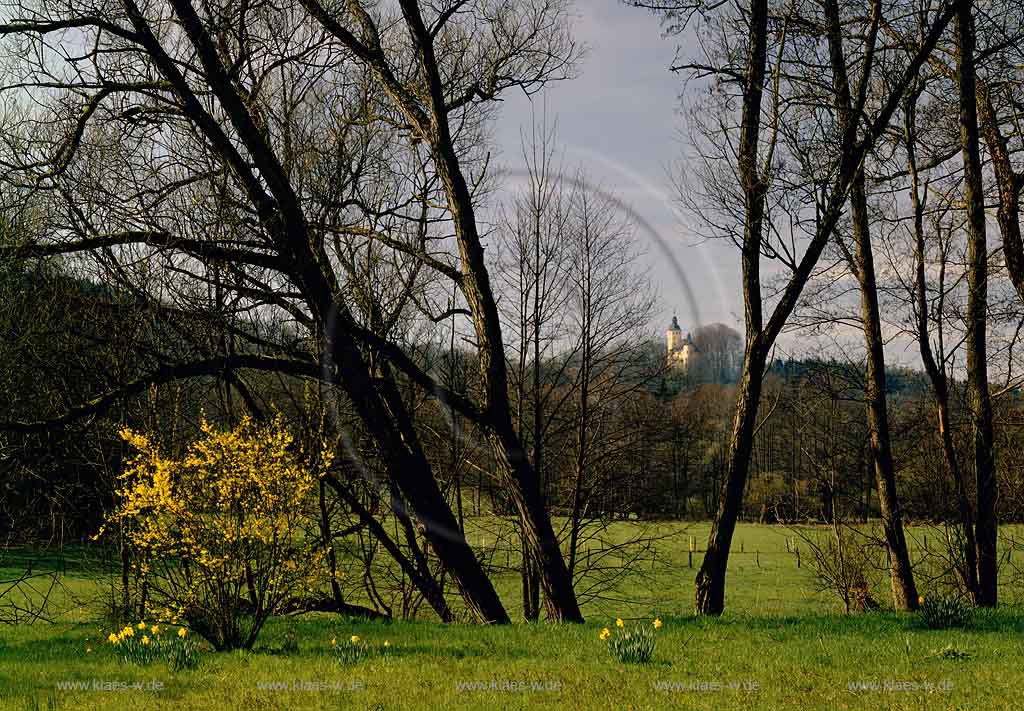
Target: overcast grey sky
{"x": 620, "y": 121}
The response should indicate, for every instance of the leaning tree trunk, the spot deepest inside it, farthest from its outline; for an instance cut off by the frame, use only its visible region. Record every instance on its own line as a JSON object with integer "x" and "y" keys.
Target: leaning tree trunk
{"x": 709, "y": 587}
{"x": 524, "y": 490}
{"x": 380, "y": 407}
{"x": 710, "y": 583}
{"x": 977, "y": 313}
{"x": 904, "y": 592}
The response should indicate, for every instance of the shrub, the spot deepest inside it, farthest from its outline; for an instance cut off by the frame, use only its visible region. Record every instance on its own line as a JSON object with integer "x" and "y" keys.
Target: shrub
{"x": 220, "y": 533}
{"x": 939, "y": 612}
{"x": 845, "y": 561}
{"x": 631, "y": 646}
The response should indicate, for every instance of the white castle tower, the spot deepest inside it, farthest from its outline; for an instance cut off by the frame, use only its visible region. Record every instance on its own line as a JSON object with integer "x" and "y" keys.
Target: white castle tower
{"x": 681, "y": 351}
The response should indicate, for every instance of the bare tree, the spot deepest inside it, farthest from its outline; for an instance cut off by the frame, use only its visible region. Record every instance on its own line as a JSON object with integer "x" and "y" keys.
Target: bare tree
{"x": 936, "y": 361}
{"x": 739, "y": 60}
{"x": 977, "y": 311}
{"x": 863, "y": 266}
{"x": 173, "y": 118}
{"x": 534, "y": 245}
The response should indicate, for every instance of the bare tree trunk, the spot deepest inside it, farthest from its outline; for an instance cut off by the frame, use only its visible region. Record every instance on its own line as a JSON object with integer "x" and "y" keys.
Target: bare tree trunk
{"x": 531, "y": 575}
{"x": 411, "y": 473}
{"x": 977, "y": 312}
{"x": 710, "y": 583}
{"x": 937, "y": 372}
{"x": 582, "y": 426}
{"x": 903, "y": 590}
{"x": 523, "y": 480}
{"x": 709, "y": 592}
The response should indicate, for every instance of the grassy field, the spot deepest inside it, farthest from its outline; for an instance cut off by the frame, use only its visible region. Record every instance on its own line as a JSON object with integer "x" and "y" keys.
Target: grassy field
{"x": 781, "y": 645}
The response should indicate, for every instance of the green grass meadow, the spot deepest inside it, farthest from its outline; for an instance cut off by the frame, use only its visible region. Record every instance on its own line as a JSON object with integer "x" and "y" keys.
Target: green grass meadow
{"x": 781, "y": 645}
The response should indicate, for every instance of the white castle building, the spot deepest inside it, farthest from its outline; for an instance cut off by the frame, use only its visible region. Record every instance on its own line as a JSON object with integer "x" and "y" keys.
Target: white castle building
{"x": 682, "y": 353}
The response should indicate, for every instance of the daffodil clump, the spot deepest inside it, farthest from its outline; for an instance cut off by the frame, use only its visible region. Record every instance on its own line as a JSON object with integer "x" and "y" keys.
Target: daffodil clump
{"x": 939, "y": 612}
{"x": 219, "y": 534}
{"x": 144, "y": 644}
{"x": 634, "y": 645}
{"x": 352, "y": 649}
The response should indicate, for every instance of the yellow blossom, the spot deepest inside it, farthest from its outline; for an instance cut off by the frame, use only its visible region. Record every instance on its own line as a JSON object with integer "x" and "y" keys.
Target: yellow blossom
{"x": 181, "y": 632}
{"x": 128, "y": 631}
{"x": 619, "y": 622}
{"x": 355, "y": 639}
{"x": 657, "y": 623}
{"x": 155, "y": 630}
{"x": 145, "y": 639}
{"x": 605, "y": 634}
{"x": 113, "y": 638}
{"x": 334, "y": 641}
{"x": 387, "y": 643}
{"x": 920, "y": 600}
{"x": 142, "y": 625}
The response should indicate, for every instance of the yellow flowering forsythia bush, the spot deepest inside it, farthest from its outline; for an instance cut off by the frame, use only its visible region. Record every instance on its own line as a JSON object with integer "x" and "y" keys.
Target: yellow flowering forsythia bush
{"x": 220, "y": 533}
